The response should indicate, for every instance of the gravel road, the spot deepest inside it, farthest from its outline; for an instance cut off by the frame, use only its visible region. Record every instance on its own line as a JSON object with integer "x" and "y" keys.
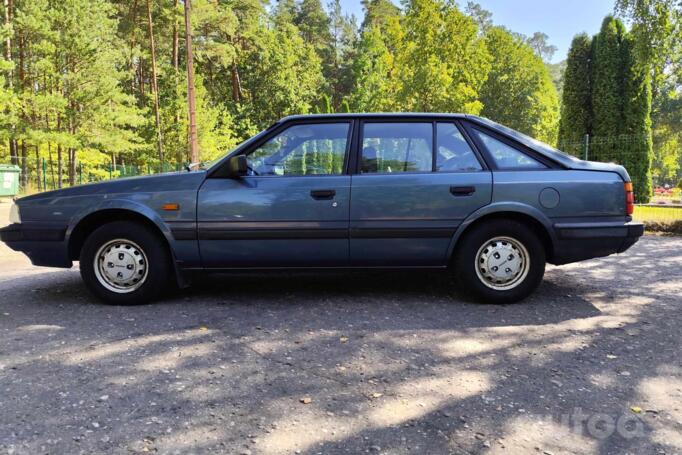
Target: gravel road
{"x": 391, "y": 363}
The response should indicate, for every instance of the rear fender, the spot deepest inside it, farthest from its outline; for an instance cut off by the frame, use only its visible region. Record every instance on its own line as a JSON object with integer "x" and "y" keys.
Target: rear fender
{"x": 501, "y": 208}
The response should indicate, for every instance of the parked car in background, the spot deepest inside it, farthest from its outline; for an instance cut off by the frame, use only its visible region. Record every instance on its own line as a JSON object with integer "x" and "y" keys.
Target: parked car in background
{"x": 341, "y": 191}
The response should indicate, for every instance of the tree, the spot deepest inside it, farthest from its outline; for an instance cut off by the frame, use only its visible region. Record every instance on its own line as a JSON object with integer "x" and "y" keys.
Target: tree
{"x": 608, "y": 90}
{"x": 539, "y": 43}
{"x": 656, "y": 29}
{"x": 657, "y": 34}
{"x": 373, "y": 74}
{"x": 621, "y": 105}
{"x": 637, "y": 152}
{"x": 441, "y": 61}
{"x": 530, "y": 103}
{"x": 155, "y": 87}
{"x": 576, "y": 107}
{"x": 344, "y": 45}
{"x": 482, "y": 17}
{"x": 283, "y": 75}
{"x": 378, "y": 13}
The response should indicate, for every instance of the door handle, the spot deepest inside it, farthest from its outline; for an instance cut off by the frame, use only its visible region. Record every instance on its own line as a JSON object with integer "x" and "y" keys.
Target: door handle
{"x": 462, "y": 190}
{"x": 323, "y": 194}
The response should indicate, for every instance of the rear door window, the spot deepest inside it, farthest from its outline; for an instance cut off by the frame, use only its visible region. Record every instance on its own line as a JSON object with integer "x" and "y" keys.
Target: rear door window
{"x": 397, "y": 147}
{"x": 453, "y": 153}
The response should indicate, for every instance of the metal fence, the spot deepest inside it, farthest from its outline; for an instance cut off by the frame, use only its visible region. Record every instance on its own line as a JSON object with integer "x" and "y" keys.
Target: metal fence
{"x": 43, "y": 174}
{"x": 665, "y": 161}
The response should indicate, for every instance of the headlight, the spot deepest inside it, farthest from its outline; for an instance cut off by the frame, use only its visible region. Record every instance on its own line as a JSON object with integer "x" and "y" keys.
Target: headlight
{"x": 14, "y": 216}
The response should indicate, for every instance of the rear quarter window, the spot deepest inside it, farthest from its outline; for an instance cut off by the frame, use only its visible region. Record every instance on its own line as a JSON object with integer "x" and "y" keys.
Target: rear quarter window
{"x": 505, "y": 156}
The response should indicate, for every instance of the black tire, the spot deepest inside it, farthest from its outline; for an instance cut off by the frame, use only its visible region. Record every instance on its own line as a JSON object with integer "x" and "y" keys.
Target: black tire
{"x": 158, "y": 274}
{"x": 466, "y": 262}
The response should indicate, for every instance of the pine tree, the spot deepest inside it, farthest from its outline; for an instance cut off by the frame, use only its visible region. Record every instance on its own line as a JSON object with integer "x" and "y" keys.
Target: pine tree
{"x": 576, "y": 108}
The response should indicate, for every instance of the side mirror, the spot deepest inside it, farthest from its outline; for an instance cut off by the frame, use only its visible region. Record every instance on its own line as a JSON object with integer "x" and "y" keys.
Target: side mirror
{"x": 236, "y": 166}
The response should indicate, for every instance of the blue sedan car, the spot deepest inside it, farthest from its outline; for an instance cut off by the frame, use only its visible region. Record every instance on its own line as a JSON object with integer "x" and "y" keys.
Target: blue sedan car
{"x": 341, "y": 191}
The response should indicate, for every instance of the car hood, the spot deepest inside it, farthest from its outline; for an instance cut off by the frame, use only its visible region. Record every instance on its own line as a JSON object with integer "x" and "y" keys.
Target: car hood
{"x": 142, "y": 184}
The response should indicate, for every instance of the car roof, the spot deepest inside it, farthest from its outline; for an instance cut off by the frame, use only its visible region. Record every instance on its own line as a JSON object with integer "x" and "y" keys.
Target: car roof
{"x": 388, "y": 115}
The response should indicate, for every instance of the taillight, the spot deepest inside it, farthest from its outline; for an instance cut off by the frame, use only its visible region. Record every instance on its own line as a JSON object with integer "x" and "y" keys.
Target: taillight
{"x": 629, "y": 198}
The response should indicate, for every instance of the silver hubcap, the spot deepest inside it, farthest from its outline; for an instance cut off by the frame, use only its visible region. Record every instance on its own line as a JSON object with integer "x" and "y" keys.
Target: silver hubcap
{"x": 121, "y": 266}
{"x": 502, "y": 263}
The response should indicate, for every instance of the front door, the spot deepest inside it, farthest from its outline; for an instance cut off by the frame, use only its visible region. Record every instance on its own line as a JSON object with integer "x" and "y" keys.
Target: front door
{"x": 410, "y": 194}
{"x": 290, "y": 211}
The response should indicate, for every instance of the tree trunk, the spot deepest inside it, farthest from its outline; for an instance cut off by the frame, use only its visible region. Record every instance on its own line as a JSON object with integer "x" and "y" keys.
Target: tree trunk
{"x": 155, "y": 87}
{"x": 133, "y": 70}
{"x": 9, "y": 7}
{"x": 176, "y": 37}
{"x": 179, "y": 156}
{"x": 22, "y": 85}
{"x": 60, "y": 163}
{"x": 72, "y": 167}
{"x": 236, "y": 84}
{"x": 193, "y": 141}
{"x": 72, "y": 155}
{"x": 49, "y": 157}
{"x": 39, "y": 169}
{"x": 24, "y": 167}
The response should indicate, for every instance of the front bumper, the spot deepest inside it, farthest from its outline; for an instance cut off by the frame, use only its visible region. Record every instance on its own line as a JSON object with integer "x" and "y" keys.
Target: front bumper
{"x": 580, "y": 241}
{"x": 43, "y": 243}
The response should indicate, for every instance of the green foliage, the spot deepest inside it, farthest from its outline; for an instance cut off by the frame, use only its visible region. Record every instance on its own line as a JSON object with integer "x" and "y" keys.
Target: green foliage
{"x": 637, "y": 121}
{"x": 442, "y": 62}
{"x": 657, "y": 35}
{"x": 576, "y": 110}
{"x": 608, "y": 89}
{"x": 530, "y": 103}
{"x": 556, "y": 72}
{"x": 285, "y": 75}
{"x": 372, "y": 71}
{"x": 621, "y": 105}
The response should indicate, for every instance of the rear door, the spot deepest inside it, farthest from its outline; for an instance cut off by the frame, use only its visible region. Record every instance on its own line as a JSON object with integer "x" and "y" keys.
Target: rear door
{"x": 290, "y": 211}
{"x": 416, "y": 181}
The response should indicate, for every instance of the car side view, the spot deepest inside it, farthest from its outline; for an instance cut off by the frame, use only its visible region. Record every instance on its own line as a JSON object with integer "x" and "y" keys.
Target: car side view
{"x": 341, "y": 191}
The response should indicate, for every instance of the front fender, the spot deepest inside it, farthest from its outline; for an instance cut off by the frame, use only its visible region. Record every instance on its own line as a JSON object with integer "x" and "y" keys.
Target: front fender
{"x": 500, "y": 208}
{"x": 140, "y": 209}
{"x": 122, "y": 204}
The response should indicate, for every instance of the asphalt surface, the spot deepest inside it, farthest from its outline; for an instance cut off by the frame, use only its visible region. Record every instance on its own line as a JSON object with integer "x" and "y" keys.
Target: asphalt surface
{"x": 390, "y": 363}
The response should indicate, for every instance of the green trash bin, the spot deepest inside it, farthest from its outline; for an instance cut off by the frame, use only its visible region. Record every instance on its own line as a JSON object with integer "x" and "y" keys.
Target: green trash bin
{"x": 9, "y": 179}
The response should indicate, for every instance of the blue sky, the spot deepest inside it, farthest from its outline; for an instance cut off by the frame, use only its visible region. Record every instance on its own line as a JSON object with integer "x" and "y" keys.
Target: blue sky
{"x": 560, "y": 20}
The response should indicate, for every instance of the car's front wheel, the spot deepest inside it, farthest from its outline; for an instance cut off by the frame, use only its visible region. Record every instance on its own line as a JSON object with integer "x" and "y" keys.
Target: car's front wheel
{"x": 500, "y": 261}
{"x": 125, "y": 263}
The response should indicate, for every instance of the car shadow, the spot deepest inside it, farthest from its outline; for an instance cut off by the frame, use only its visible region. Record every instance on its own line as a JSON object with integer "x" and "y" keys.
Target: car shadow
{"x": 413, "y": 299}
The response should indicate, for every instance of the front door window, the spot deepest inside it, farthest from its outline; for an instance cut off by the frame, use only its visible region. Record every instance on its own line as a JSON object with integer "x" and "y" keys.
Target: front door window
{"x": 312, "y": 149}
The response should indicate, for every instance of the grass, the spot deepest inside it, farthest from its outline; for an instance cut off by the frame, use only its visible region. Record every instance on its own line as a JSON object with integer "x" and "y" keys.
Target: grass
{"x": 659, "y": 219}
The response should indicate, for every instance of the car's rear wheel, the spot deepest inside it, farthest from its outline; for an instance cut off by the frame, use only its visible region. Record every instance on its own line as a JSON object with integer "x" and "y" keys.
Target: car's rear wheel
{"x": 125, "y": 263}
{"x": 499, "y": 261}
